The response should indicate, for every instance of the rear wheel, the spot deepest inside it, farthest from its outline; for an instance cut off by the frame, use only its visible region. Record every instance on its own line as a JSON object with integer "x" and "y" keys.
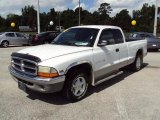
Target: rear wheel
{"x": 76, "y": 86}
{"x": 5, "y": 44}
{"x": 137, "y": 65}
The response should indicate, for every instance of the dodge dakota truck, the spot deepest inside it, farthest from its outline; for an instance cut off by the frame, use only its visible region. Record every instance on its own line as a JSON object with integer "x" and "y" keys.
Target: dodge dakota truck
{"x": 79, "y": 57}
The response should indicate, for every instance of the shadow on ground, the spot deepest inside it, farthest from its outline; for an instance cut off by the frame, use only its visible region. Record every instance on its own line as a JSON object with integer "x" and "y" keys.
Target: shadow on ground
{"x": 58, "y": 99}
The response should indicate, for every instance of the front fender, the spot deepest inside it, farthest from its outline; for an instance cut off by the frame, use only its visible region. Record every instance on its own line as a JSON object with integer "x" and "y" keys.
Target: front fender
{"x": 77, "y": 63}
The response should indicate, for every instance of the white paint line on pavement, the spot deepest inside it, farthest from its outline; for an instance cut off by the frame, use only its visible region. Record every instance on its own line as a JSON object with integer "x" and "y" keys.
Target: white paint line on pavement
{"x": 121, "y": 107}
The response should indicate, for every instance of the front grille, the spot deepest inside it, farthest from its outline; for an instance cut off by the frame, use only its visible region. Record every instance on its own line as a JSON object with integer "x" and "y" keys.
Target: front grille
{"x": 25, "y": 66}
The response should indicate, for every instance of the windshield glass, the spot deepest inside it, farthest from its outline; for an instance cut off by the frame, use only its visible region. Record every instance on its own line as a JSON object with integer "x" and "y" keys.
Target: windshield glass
{"x": 77, "y": 37}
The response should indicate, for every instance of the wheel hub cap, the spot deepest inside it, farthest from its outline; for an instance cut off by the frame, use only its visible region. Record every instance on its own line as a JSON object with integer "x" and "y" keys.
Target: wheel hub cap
{"x": 79, "y": 86}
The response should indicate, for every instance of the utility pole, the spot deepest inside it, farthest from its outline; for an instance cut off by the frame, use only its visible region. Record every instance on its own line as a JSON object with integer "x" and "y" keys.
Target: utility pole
{"x": 155, "y": 19}
{"x": 38, "y": 19}
{"x": 79, "y": 18}
{"x": 59, "y": 20}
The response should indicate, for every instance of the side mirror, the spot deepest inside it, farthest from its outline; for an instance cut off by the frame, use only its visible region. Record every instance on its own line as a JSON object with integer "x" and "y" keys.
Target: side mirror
{"x": 103, "y": 43}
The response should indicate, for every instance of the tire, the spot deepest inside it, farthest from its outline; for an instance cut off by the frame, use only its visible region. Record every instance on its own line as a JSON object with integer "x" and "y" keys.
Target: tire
{"x": 137, "y": 65}
{"x": 76, "y": 86}
{"x": 5, "y": 44}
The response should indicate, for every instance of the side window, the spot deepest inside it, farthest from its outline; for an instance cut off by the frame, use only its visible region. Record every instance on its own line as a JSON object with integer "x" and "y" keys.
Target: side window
{"x": 19, "y": 35}
{"x": 10, "y": 35}
{"x": 107, "y": 35}
{"x": 117, "y": 36}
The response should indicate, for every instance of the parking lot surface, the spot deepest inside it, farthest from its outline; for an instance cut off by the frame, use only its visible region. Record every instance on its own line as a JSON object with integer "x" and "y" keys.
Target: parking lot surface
{"x": 129, "y": 96}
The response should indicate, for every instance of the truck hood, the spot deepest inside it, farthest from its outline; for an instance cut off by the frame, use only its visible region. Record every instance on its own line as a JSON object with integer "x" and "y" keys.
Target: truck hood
{"x": 48, "y": 51}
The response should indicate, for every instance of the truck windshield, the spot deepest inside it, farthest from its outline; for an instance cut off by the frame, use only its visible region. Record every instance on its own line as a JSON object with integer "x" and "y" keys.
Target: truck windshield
{"x": 77, "y": 37}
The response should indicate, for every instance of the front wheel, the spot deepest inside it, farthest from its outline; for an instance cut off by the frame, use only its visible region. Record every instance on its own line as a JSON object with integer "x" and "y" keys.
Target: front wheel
{"x": 76, "y": 86}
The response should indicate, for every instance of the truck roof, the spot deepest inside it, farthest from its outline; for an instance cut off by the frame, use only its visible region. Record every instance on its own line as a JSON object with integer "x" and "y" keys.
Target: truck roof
{"x": 97, "y": 26}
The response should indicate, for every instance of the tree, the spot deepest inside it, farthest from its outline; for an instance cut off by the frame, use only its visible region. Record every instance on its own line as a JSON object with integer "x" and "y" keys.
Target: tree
{"x": 2, "y": 24}
{"x": 105, "y": 8}
{"x": 123, "y": 20}
{"x": 69, "y": 18}
{"x": 29, "y": 16}
{"x": 96, "y": 18}
{"x": 87, "y": 18}
{"x": 13, "y": 18}
{"x": 104, "y": 11}
{"x": 144, "y": 18}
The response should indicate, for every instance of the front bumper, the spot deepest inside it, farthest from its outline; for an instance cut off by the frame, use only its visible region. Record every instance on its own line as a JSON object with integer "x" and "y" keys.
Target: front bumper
{"x": 44, "y": 85}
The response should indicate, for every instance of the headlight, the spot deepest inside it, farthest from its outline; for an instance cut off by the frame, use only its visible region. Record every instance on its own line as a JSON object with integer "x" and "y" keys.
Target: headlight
{"x": 47, "y": 72}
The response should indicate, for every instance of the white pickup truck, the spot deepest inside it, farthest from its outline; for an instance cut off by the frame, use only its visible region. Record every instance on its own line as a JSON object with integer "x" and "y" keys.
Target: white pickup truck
{"x": 78, "y": 57}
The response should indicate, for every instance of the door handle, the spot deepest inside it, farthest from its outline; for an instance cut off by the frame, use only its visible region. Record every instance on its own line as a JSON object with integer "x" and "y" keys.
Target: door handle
{"x": 117, "y": 50}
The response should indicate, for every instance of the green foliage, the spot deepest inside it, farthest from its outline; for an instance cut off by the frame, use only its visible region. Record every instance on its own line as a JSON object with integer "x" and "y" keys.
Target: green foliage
{"x": 123, "y": 20}
{"x": 69, "y": 18}
{"x": 105, "y": 8}
{"x": 2, "y": 24}
{"x": 29, "y": 16}
{"x": 144, "y": 18}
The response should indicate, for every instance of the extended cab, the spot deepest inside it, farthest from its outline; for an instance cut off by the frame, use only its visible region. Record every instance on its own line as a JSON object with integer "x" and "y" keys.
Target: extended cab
{"x": 78, "y": 57}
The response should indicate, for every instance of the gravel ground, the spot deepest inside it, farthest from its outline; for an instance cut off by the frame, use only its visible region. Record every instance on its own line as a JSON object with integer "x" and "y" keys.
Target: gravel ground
{"x": 129, "y": 96}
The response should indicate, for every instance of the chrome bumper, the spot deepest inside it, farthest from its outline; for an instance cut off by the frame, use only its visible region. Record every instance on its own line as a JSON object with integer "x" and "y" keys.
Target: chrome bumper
{"x": 45, "y": 85}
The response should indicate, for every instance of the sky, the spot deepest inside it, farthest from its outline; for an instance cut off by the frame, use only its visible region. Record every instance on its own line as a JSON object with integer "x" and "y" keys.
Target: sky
{"x": 15, "y": 6}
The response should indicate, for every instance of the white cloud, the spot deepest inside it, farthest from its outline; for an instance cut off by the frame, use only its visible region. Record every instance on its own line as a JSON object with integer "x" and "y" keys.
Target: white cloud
{"x": 15, "y": 6}
{"x": 81, "y": 5}
{"x": 75, "y": 2}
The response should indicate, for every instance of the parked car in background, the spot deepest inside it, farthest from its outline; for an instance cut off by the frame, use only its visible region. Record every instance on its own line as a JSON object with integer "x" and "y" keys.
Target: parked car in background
{"x": 44, "y": 37}
{"x": 13, "y": 38}
{"x": 153, "y": 42}
{"x": 140, "y": 35}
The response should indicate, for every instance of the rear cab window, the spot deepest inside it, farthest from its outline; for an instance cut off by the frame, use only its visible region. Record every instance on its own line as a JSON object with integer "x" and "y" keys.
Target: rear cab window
{"x": 117, "y": 34}
{"x": 107, "y": 35}
{"x": 112, "y": 36}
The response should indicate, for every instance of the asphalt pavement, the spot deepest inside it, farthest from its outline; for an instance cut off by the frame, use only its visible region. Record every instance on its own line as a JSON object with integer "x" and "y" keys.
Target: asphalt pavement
{"x": 129, "y": 96}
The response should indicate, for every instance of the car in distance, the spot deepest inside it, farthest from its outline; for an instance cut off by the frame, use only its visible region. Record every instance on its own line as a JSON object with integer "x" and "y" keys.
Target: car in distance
{"x": 153, "y": 43}
{"x": 79, "y": 57}
{"x": 44, "y": 37}
{"x": 13, "y": 38}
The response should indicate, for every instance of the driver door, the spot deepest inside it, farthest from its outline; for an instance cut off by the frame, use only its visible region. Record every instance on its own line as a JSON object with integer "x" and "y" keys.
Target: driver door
{"x": 106, "y": 58}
